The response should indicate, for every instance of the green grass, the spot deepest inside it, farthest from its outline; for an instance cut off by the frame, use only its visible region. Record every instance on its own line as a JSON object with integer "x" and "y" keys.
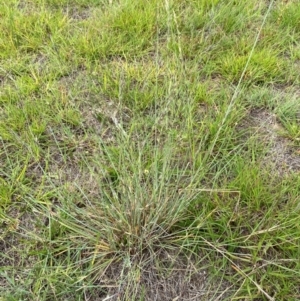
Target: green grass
{"x": 149, "y": 150}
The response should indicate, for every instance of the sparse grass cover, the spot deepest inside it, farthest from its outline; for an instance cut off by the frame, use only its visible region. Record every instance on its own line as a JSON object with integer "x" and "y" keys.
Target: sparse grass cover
{"x": 149, "y": 150}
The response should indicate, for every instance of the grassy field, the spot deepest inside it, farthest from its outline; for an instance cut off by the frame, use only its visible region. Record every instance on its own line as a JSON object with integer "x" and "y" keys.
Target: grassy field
{"x": 149, "y": 150}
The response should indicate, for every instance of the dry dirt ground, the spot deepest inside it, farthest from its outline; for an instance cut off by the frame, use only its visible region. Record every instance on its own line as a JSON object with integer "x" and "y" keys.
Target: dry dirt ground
{"x": 282, "y": 156}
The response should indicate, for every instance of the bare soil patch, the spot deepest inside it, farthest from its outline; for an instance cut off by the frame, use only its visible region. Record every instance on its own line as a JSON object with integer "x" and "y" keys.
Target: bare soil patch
{"x": 170, "y": 277}
{"x": 282, "y": 156}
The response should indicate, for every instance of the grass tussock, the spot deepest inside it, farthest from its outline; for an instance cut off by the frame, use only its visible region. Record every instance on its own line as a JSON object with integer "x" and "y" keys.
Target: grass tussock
{"x": 149, "y": 150}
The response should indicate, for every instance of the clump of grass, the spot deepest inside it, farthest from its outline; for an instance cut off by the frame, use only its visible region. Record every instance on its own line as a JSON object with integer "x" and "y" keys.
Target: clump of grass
{"x": 288, "y": 16}
{"x": 289, "y": 114}
{"x": 263, "y": 65}
{"x": 129, "y": 220}
{"x": 125, "y": 173}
